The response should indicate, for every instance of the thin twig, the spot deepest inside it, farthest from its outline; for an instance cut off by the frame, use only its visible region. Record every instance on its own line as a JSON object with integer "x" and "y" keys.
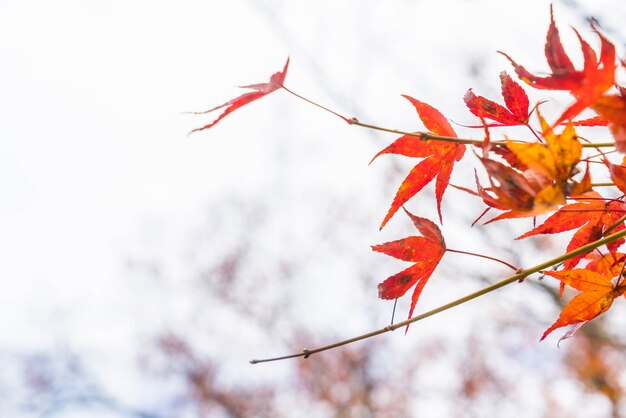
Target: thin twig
{"x": 512, "y": 267}
{"x": 602, "y": 184}
{"x": 615, "y": 225}
{"x": 317, "y": 104}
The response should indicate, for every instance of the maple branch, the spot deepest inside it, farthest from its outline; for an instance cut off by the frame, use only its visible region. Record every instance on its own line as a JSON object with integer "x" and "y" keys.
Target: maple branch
{"x": 427, "y": 136}
{"x": 349, "y": 121}
{"x": 512, "y": 267}
{"x": 424, "y": 136}
{"x": 517, "y": 277}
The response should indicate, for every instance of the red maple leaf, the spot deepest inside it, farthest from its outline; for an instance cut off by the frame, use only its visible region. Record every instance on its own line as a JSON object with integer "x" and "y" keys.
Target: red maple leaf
{"x": 260, "y": 90}
{"x": 592, "y": 215}
{"x": 439, "y": 157}
{"x": 425, "y": 251}
{"x": 586, "y": 85}
{"x": 598, "y": 293}
{"x": 515, "y": 98}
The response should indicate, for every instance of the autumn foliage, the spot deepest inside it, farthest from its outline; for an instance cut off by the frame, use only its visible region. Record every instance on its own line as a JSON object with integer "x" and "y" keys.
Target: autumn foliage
{"x": 552, "y": 173}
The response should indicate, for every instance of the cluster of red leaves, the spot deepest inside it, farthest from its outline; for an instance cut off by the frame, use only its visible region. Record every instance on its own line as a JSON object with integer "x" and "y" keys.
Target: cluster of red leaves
{"x": 526, "y": 177}
{"x": 529, "y": 178}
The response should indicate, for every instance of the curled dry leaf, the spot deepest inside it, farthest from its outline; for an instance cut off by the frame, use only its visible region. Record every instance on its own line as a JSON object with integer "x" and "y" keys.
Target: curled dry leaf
{"x": 260, "y": 90}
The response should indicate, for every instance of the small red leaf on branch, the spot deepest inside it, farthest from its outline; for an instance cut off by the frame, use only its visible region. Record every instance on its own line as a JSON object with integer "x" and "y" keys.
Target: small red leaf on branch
{"x": 425, "y": 251}
{"x": 515, "y": 98}
{"x": 262, "y": 89}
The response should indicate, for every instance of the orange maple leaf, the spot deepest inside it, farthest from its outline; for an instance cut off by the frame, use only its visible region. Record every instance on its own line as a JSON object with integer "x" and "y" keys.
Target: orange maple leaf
{"x": 262, "y": 89}
{"x": 439, "y": 158}
{"x": 425, "y": 251}
{"x": 598, "y": 293}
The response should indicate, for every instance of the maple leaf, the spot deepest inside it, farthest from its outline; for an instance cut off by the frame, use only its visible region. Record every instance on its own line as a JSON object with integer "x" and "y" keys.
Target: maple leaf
{"x": 438, "y": 158}
{"x": 260, "y": 90}
{"x": 598, "y": 293}
{"x": 592, "y": 215}
{"x": 586, "y": 85}
{"x": 425, "y": 251}
{"x": 618, "y": 174}
{"x": 515, "y": 98}
{"x": 608, "y": 264}
{"x": 613, "y": 109}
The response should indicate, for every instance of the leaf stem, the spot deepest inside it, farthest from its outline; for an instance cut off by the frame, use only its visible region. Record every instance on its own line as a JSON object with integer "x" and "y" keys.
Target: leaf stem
{"x": 317, "y": 105}
{"x": 512, "y": 267}
{"x": 424, "y": 136}
{"x": 519, "y": 276}
{"x": 534, "y": 133}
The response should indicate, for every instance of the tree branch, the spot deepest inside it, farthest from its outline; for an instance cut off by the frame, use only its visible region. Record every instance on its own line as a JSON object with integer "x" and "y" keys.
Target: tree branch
{"x": 517, "y": 277}
{"x": 424, "y": 136}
